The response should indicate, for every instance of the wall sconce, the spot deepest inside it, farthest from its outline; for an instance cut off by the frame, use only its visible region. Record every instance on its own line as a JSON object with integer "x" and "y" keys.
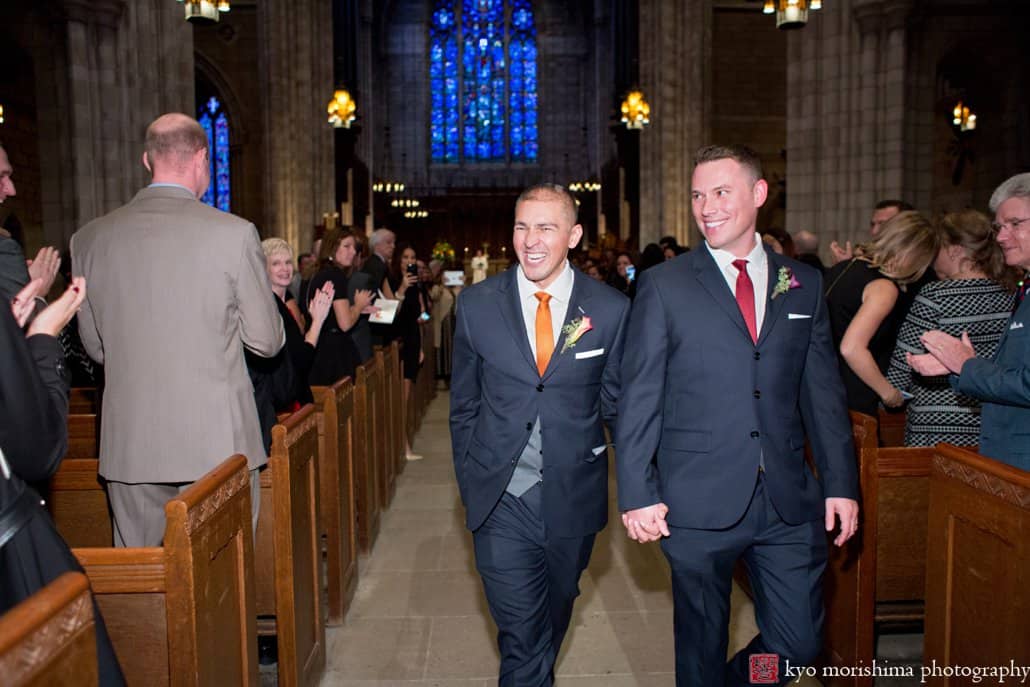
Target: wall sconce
{"x": 635, "y": 110}
{"x": 963, "y": 117}
{"x": 791, "y": 14}
{"x": 342, "y": 109}
{"x": 1, "y": 114}
{"x": 204, "y": 11}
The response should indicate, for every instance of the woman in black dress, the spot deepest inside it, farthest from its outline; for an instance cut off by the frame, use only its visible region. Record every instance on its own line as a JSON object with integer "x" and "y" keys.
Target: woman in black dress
{"x": 867, "y": 298}
{"x": 336, "y": 354}
{"x": 414, "y": 302}
{"x": 33, "y": 439}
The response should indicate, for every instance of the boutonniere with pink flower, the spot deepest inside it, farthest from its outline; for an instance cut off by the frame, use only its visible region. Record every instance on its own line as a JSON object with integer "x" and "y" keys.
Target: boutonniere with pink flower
{"x": 574, "y": 330}
{"x": 785, "y": 281}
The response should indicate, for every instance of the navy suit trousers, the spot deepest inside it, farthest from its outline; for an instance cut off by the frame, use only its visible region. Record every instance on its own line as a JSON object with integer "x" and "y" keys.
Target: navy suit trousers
{"x": 785, "y": 565}
{"x": 531, "y": 580}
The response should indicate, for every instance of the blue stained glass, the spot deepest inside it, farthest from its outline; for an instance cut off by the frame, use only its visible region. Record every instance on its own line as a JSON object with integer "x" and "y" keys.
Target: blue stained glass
{"x": 205, "y": 122}
{"x": 222, "y": 161}
{"x": 215, "y": 123}
{"x": 443, "y": 72}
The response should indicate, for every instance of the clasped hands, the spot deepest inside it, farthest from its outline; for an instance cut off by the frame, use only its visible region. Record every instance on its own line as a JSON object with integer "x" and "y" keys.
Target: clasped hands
{"x": 945, "y": 354}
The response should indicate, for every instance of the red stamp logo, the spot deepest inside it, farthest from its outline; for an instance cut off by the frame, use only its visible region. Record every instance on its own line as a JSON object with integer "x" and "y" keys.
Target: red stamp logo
{"x": 765, "y": 669}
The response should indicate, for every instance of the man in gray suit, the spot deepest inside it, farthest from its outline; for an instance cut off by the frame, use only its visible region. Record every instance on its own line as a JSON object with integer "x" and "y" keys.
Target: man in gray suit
{"x": 177, "y": 289}
{"x": 1002, "y": 383}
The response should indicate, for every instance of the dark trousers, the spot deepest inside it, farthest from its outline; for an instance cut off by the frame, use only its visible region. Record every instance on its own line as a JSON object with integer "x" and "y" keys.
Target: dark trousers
{"x": 531, "y": 580}
{"x": 785, "y": 564}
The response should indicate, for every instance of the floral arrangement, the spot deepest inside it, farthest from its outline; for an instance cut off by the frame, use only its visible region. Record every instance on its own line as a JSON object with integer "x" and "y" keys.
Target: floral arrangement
{"x": 575, "y": 329}
{"x": 443, "y": 251}
{"x": 785, "y": 281}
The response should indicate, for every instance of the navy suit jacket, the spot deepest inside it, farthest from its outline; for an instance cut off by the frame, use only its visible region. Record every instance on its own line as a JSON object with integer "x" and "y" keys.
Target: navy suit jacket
{"x": 497, "y": 395}
{"x": 1003, "y": 384}
{"x": 703, "y": 403}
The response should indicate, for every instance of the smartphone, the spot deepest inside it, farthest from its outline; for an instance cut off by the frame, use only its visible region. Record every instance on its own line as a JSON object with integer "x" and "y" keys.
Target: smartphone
{"x": 631, "y": 272}
{"x": 907, "y": 395}
{"x": 413, "y": 269}
{"x": 424, "y": 316}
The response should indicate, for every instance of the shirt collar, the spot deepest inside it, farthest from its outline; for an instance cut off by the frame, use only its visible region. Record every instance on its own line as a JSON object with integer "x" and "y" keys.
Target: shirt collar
{"x": 756, "y": 259}
{"x": 168, "y": 184}
{"x": 560, "y": 289}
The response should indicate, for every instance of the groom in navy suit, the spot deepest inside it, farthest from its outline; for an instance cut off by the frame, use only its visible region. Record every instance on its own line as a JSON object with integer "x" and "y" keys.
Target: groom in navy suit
{"x": 535, "y": 375}
{"x": 731, "y": 365}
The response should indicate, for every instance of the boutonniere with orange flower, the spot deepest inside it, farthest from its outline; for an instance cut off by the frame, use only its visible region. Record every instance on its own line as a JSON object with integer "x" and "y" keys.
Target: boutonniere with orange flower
{"x": 574, "y": 330}
{"x": 785, "y": 281}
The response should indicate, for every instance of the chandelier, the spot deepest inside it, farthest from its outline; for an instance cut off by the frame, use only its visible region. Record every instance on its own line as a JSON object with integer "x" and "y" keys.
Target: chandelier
{"x": 584, "y": 186}
{"x": 791, "y": 14}
{"x": 204, "y": 11}
{"x": 635, "y": 110}
{"x": 961, "y": 116}
{"x": 404, "y": 203}
{"x": 388, "y": 187}
{"x": 416, "y": 214}
{"x": 342, "y": 109}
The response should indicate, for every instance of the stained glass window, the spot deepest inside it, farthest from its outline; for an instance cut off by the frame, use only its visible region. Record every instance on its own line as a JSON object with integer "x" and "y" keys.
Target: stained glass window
{"x": 482, "y": 78}
{"x": 216, "y": 125}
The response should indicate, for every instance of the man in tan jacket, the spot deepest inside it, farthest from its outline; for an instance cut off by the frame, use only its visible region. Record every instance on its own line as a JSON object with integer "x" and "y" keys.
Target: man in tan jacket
{"x": 177, "y": 289}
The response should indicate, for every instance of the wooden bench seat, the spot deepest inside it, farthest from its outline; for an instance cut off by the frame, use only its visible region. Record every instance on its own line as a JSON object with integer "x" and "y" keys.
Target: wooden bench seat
{"x": 184, "y": 613}
{"x": 78, "y": 504}
{"x": 83, "y": 400}
{"x": 386, "y": 463}
{"x": 83, "y": 435}
{"x": 49, "y": 640}
{"x": 978, "y": 564}
{"x": 876, "y": 579}
{"x": 288, "y": 554}
{"x": 336, "y": 497}
{"x": 367, "y": 438}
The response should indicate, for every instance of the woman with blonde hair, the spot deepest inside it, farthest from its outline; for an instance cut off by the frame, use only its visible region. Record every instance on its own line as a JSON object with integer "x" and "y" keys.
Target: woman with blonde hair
{"x": 867, "y": 298}
{"x": 975, "y": 296}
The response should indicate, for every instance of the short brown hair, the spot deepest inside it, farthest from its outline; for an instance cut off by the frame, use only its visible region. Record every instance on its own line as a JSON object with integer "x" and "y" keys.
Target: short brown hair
{"x": 175, "y": 138}
{"x": 537, "y": 191}
{"x": 331, "y": 241}
{"x": 740, "y": 153}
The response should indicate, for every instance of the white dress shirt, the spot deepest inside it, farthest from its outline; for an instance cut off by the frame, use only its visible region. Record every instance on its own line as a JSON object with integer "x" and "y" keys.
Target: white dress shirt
{"x": 561, "y": 292}
{"x": 757, "y": 269}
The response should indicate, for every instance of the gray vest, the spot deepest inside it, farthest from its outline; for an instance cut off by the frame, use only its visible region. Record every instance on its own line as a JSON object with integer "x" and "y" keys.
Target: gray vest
{"x": 530, "y": 468}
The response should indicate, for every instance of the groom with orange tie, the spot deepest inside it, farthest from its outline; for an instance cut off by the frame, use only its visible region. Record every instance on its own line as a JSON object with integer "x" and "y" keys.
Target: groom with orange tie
{"x": 731, "y": 366}
{"x": 535, "y": 376}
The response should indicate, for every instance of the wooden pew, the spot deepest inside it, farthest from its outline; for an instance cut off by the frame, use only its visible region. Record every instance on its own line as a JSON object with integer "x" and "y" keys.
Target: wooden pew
{"x": 78, "y": 504}
{"x": 386, "y": 467}
{"x": 978, "y": 560}
{"x": 336, "y": 498}
{"x": 892, "y": 427}
{"x": 876, "y": 579}
{"x": 288, "y": 552}
{"x": 50, "y": 638}
{"x": 367, "y": 437}
{"x": 393, "y": 383}
{"x": 184, "y": 613}
{"x": 83, "y": 435}
{"x": 83, "y": 400}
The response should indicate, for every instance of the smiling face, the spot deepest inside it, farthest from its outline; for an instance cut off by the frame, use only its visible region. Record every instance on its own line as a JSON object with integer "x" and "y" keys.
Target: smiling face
{"x": 407, "y": 258}
{"x": 280, "y": 268}
{"x": 1014, "y": 240}
{"x": 725, "y": 200}
{"x": 344, "y": 255}
{"x": 621, "y": 263}
{"x": 543, "y": 234}
{"x": 6, "y": 184}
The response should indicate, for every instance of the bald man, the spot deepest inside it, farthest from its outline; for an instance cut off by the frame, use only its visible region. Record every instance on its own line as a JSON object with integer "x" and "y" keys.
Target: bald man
{"x": 177, "y": 290}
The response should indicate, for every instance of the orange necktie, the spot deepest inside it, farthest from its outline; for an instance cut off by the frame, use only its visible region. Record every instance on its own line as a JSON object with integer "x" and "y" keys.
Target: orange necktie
{"x": 544, "y": 332}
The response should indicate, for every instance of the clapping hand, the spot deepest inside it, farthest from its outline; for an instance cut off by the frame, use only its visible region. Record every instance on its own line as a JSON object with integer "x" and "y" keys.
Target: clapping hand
{"x": 950, "y": 352}
{"x": 58, "y": 314}
{"x": 841, "y": 254}
{"x": 646, "y": 524}
{"x": 362, "y": 298}
{"x": 321, "y": 304}
{"x": 44, "y": 268}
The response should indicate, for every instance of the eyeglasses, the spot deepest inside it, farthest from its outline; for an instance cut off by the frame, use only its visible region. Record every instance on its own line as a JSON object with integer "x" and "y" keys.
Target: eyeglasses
{"x": 1012, "y": 224}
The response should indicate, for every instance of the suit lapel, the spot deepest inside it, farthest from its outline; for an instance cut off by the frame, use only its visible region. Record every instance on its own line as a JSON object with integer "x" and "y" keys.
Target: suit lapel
{"x": 577, "y": 308}
{"x": 711, "y": 278}
{"x": 773, "y": 306}
{"x": 511, "y": 312}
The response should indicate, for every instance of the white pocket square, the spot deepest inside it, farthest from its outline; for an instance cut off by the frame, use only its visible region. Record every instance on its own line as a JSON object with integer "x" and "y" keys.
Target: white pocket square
{"x": 590, "y": 354}
{"x": 798, "y": 316}
{"x": 1016, "y": 325}
{"x": 598, "y": 450}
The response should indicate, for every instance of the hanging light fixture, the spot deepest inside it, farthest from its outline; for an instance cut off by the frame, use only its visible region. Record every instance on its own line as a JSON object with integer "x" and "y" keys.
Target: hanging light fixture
{"x": 636, "y": 112}
{"x": 1, "y": 114}
{"x": 388, "y": 187}
{"x": 204, "y": 11}
{"x": 791, "y": 14}
{"x": 584, "y": 186}
{"x": 342, "y": 109}
{"x": 961, "y": 116}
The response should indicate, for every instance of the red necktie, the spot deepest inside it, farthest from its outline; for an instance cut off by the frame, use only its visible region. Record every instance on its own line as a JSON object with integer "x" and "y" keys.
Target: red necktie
{"x": 746, "y": 298}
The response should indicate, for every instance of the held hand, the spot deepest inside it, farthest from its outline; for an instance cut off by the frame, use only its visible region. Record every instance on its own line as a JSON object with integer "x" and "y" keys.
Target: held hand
{"x": 321, "y": 304}
{"x": 893, "y": 399}
{"x": 362, "y": 298}
{"x": 408, "y": 280}
{"x": 847, "y": 510}
{"x": 24, "y": 303}
{"x": 55, "y": 316}
{"x": 951, "y": 352}
{"x": 841, "y": 254}
{"x": 45, "y": 267}
{"x": 926, "y": 365}
{"x": 646, "y": 524}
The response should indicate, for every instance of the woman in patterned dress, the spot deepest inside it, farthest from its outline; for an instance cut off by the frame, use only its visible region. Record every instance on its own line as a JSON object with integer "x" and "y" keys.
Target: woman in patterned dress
{"x": 975, "y": 295}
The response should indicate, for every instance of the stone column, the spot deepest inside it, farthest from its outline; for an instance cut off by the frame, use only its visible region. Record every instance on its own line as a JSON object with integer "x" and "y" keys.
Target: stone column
{"x": 675, "y": 46}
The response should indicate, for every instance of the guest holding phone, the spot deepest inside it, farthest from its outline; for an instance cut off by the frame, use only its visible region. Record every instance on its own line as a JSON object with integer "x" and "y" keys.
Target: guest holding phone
{"x": 625, "y": 275}
{"x": 414, "y": 303}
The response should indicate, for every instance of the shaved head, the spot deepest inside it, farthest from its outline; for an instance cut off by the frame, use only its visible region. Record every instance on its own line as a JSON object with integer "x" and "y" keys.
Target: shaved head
{"x": 172, "y": 140}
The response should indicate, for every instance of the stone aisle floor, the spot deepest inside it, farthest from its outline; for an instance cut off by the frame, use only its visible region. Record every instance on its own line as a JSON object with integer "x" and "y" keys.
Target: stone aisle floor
{"x": 419, "y": 617}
